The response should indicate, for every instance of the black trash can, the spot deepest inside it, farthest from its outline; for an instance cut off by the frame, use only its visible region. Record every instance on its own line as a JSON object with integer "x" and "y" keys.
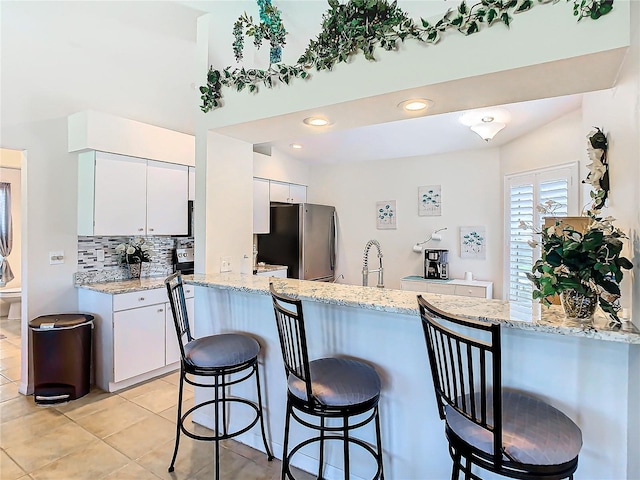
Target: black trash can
{"x": 61, "y": 357}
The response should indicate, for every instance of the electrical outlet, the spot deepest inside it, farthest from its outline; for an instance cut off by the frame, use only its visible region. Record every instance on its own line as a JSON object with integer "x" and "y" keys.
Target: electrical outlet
{"x": 56, "y": 257}
{"x": 100, "y": 255}
{"x": 225, "y": 264}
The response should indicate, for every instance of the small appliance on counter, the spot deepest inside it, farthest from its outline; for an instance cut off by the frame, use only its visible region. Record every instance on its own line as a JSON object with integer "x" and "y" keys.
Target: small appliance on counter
{"x": 436, "y": 264}
{"x": 183, "y": 260}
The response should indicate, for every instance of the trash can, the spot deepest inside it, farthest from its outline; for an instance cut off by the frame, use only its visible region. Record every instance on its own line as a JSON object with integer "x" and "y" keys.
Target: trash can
{"x": 61, "y": 357}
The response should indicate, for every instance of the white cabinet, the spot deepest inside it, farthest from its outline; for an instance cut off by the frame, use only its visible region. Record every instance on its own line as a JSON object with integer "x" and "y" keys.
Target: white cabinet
{"x": 287, "y": 192}
{"x": 167, "y": 198}
{"x": 138, "y": 341}
{"x": 467, "y": 288}
{"x": 135, "y": 338}
{"x": 192, "y": 183}
{"x": 121, "y": 195}
{"x": 260, "y": 205}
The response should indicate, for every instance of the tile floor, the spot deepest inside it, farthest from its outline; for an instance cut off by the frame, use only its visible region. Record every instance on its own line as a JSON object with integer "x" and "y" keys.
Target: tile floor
{"x": 127, "y": 435}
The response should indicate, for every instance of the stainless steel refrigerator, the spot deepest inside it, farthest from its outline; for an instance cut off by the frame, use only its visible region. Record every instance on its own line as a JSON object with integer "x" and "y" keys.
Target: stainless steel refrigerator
{"x": 302, "y": 237}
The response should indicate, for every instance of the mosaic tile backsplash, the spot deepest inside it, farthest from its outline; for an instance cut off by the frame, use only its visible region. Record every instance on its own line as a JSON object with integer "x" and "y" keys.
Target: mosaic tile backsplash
{"x": 90, "y": 270}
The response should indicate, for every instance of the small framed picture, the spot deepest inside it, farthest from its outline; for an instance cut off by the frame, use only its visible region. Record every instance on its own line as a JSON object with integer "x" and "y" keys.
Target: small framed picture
{"x": 386, "y": 215}
{"x": 473, "y": 242}
{"x": 430, "y": 201}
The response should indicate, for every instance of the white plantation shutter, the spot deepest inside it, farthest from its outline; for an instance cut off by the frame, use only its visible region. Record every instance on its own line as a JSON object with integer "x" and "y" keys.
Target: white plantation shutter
{"x": 524, "y": 193}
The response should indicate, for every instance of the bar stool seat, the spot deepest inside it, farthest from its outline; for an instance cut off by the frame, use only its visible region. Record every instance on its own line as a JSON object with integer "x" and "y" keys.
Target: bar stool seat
{"x": 338, "y": 382}
{"x": 224, "y": 350}
{"x": 533, "y": 432}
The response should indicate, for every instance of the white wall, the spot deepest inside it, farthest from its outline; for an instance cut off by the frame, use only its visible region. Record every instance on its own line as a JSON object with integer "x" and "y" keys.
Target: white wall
{"x": 281, "y": 167}
{"x": 51, "y": 202}
{"x": 470, "y": 197}
{"x": 12, "y": 176}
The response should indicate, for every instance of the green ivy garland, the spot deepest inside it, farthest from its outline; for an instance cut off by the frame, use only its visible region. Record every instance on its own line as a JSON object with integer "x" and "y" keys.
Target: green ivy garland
{"x": 362, "y": 25}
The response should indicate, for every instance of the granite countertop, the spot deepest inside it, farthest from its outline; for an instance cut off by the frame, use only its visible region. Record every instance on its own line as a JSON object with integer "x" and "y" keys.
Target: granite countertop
{"x": 270, "y": 268}
{"x": 509, "y": 314}
{"x": 124, "y": 286}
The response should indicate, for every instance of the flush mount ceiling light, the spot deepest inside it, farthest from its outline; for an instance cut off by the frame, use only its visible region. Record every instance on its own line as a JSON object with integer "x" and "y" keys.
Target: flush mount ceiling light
{"x": 486, "y": 123}
{"x": 316, "y": 121}
{"x": 487, "y": 128}
{"x": 297, "y": 146}
{"x": 416, "y": 104}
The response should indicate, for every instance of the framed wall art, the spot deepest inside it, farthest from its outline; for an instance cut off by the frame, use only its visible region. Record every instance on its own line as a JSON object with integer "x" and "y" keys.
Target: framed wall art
{"x": 386, "y": 215}
{"x": 473, "y": 242}
{"x": 430, "y": 201}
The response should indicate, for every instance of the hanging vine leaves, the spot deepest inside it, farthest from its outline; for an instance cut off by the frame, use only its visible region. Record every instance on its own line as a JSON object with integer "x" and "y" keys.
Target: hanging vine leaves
{"x": 360, "y": 26}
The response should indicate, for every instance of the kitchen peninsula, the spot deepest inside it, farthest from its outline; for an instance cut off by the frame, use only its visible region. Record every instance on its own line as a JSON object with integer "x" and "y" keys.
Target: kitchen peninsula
{"x": 590, "y": 373}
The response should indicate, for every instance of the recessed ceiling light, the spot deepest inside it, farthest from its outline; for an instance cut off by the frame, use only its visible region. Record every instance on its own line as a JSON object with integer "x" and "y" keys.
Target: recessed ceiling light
{"x": 297, "y": 146}
{"x": 316, "y": 121}
{"x": 415, "y": 104}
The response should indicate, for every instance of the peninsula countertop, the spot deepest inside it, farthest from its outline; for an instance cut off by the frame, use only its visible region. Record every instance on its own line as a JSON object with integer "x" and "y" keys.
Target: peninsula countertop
{"x": 532, "y": 317}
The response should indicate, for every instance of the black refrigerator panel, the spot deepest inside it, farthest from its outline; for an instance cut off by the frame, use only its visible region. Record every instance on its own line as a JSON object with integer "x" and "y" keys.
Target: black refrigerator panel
{"x": 282, "y": 245}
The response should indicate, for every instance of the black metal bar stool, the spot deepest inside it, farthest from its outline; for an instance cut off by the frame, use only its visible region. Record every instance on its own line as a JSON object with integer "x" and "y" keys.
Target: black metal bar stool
{"x": 218, "y": 357}
{"x": 326, "y": 388}
{"x": 501, "y": 431}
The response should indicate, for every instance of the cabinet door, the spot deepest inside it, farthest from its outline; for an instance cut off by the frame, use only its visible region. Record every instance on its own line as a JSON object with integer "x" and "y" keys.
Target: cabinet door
{"x": 260, "y": 205}
{"x": 167, "y": 198}
{"x": 172, "y": 350}
{"x": 297, "y": 193}
{"x": 279, "y": 192}
{"x": 192, "y": 183}
{"x": 138, "y": 341}
{"x": 120, "y": 195}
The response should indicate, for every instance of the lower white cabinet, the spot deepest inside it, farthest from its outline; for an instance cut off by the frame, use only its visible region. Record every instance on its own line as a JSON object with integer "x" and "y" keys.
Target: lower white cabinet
{"x": 467, "y": 288}
{"x": 277, "y": 272}
{"x": 138, "y": 341}
{"x": 135, "y": 337}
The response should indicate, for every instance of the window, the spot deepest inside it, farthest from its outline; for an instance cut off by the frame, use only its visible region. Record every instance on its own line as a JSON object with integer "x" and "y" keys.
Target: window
{"x": 524, "y": 192}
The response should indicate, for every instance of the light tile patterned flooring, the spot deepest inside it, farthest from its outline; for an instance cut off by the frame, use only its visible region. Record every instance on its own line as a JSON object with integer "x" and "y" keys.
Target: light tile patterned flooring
{"x": 127, "y": 435}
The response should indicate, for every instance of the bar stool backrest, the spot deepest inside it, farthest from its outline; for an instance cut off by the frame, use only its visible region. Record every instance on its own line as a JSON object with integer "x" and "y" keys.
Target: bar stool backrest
{"x": 175, "y": 291}
{"x": 465, "y": 368}
{"x": 293, "y": 340}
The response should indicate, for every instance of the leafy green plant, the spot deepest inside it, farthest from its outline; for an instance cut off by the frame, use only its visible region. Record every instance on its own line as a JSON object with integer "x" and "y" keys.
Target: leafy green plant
{"x": 588, "y": 262}
{"x": 361, "y": 26}
{"x": 598, "y": 177}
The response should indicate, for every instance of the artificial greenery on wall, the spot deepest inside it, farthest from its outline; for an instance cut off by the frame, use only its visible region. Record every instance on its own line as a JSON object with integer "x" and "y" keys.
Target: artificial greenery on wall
{"x": 360, "y": 26}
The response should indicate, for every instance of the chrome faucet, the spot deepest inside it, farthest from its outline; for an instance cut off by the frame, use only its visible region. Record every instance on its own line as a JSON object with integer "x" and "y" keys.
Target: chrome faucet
{"x": 365, "y": 264}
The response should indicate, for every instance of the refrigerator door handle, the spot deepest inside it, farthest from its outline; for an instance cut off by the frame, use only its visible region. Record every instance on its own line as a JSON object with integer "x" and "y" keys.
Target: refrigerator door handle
{"x": 332, "y": 242}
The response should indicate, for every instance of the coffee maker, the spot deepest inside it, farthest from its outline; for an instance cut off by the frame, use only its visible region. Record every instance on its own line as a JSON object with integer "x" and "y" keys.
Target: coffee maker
{"x": 436, "y": 264}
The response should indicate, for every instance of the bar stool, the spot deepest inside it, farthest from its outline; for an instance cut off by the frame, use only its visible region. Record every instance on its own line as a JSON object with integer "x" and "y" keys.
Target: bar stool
{"x": 326, "y": 388}
{"x": 501, "y": 431}
{"x": 219, "y": 357}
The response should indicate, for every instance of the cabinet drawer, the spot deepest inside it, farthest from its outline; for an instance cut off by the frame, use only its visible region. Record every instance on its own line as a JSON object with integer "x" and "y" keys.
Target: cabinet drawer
{"x": 125, "y": 301}
{"x": 469, "y": 291}
{"x": 441, "y": 288}
{"x": 413, "y": 286}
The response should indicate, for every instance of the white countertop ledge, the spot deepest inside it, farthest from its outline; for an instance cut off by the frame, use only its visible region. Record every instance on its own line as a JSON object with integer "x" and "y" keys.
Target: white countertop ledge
{"x": 509, "y": 314}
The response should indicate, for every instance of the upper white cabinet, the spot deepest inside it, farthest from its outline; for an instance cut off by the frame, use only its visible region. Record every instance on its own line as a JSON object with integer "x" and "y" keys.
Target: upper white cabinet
{"x": 287, "y": 192}
{"x": 192, "y": 183}
{"x": 167, "y": 198}
{"x": 122, "y": 195}
{"x": 260, "y": 205}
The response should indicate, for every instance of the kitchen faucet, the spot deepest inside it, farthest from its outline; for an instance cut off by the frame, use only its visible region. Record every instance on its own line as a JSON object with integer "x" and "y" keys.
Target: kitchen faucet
{"x": 365, "y": 264}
